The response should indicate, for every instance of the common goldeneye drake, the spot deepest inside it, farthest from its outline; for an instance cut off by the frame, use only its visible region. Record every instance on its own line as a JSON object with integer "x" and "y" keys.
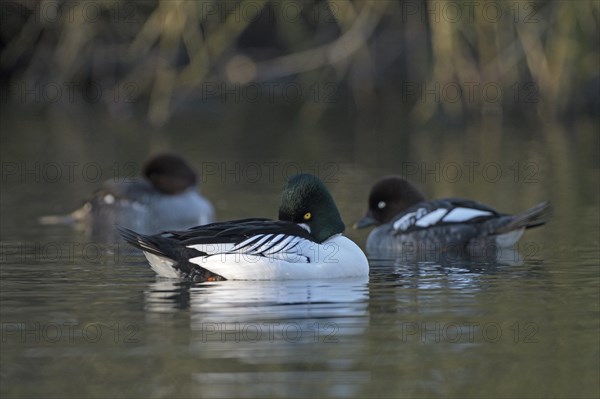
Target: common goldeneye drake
{"x": 305, "y": 243}
{"x": 407, "y": 222}
{"x": 164, "y": 197}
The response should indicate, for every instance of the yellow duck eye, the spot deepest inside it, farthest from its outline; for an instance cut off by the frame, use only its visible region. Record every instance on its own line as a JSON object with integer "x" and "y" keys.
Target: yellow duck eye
{"x": 307, "y": 216}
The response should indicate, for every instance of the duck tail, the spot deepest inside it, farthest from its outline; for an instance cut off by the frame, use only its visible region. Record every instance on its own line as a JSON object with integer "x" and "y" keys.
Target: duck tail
{"x": 533, "y": 217}
{"x": 171, "y": 257}
{"x": 140, "y": 241}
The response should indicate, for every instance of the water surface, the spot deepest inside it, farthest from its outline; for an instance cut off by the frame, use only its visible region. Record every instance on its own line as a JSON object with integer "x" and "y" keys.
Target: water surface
{"x": 87, "y": 319}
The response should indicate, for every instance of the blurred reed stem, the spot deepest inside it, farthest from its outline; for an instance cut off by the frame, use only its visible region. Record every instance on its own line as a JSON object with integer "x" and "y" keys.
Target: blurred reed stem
{"x": 540, "y": 53}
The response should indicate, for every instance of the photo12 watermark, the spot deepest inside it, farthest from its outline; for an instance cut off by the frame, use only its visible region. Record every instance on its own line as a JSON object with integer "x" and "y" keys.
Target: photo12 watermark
{"x": 471, "y": 92}
{"x": 67, "y": 332}
{"x": 269, "y": 92}
{"x": 69, "y": 92}
{"x": 429, "y": 332}
{"x": 120, "y": 253}
{"x": 224, "y": 172}
{"x": 470, "y": 12}
{"x": 22, "y": 172}
{"x": 68, "y": 253}
{"x": 525, "y": 172}
{"x": 290, "y": 332}
{"x": 96, "y": 253}
{"x": 481, "y": 250}
{"x": 54, "y": 12}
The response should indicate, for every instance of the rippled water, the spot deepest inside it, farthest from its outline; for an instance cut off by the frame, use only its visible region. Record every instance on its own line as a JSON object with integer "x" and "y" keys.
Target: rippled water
{"x": 86, "y": 319}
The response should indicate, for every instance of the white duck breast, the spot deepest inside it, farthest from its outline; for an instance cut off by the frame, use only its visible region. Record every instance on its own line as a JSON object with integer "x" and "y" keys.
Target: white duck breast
{"x": 336, "y": 257}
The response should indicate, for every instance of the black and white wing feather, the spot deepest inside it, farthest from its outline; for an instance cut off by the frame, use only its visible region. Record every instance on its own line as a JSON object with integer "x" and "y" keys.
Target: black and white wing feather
{"x": 260, "y": 237}
{"x": 449, "y": 211}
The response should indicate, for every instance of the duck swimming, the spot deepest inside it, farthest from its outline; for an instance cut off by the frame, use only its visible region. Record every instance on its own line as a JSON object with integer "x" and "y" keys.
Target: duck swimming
{"x": 306, "y": 242}
{"x": 165, "y": 197}
{"x": 405, "y": 220}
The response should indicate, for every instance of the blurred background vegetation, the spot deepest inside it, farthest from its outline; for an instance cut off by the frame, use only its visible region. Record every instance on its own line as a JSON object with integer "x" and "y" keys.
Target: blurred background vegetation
{"x": 347, "y": 90}
{"x": 415, "y": 61}
{"x": 366, "y": 87}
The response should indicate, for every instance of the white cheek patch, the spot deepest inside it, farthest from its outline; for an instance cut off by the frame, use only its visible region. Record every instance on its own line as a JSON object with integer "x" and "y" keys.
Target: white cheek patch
{"x": 431, "y": 218}
{"x": 457, "y": 215}
{"x": 109, "y": 199}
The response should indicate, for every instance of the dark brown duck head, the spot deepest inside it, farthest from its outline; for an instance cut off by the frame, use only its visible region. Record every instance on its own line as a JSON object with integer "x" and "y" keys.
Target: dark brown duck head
{"x": 169, "y": 173}
{"x": 389, "y": 196}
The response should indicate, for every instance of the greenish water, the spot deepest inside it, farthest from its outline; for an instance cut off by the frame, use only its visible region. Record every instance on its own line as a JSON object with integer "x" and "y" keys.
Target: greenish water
{"x": 87, "y": 319}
